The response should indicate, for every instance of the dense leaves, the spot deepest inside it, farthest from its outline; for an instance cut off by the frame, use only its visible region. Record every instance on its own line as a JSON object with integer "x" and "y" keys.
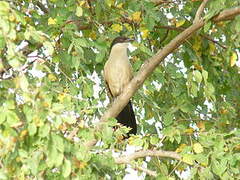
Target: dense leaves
{"x": 52, "y": 93}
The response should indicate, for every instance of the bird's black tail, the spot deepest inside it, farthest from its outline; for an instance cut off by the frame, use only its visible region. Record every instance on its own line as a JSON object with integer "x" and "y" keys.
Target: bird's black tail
{"x": 127, "y": 118}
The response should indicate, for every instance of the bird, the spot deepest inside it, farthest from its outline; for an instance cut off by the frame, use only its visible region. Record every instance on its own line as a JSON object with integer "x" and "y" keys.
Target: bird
{"x": 118, "y": 73}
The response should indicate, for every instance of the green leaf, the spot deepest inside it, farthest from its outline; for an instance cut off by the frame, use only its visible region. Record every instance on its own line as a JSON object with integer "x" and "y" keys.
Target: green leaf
{"x": 58, "y": 142}
{"x": 205, "y": 75}
{"x": 59, "y": 159}
{"x": 154, "y": 140}
{"x": 194, "y": 89}
{"x": 4, "y": 8}
{"x": 23, "y": 83}
{"x": 2, "y": 43}
{"x": 66, "y": 169}
{"x": 49, "y": 47}
{"x": 188, "y": 158}
{"x": 52, "y": 155}
{"x": 100, "y": 56}
{"x": 146, "y": 50}
{"x": 137, "y": 142}
{"x": 168, "y": 119}
{"x": 2, "y": 117}
{"x": 197, "y": 76}
{"x": 12, "y": 118}
{"x": 32, "y": 129}
{"x": 218, "y": 168}
{"x": 207, "y": 26}
{"x": 44, "y": 130}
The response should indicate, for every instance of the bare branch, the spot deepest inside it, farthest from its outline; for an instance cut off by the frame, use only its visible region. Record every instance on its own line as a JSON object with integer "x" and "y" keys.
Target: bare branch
{"x": 126, "y": 159}
{"x": 199, "y": 11}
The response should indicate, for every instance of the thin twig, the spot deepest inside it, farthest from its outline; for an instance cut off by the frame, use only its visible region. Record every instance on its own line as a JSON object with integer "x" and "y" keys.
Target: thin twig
{"x": 147, "y": 171}
{"x": 73, "y": 133}
{"x": 174, "y": 168}
{"x": 42, "y": 7}
{"x": 212, "y": 40}
{"x": 200, "y": 11}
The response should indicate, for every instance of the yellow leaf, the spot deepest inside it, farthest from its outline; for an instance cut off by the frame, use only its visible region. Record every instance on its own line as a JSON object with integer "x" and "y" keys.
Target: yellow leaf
{"x": 61, "y": 97}
{"x": 51, "y": 77}
{"x": 197, "y": 147}
{"x": 233, "y": 59}
{"x": 82, "y": 165}
{"x": 212, "y": 48}
{"x": 180, "y": 22}
{"x": 120, "y": 5}
{"x": 145, "y": 33}
{"x": 93, "y": 35}
{"x": 128, "y": 27}
{"x": 79, "y": 11}
{"x": 187, "y": 158}
{"x": 197, "y": 43}
{"x": 116, "y": 27}
{"x": 180, "y": 148}
{"x": 136, "y": 16}
{"x": 81, "y": 3}
{"x": 110, "y": 2}
{"x": 189, "y": 131}
{"x": 52, "y": 21}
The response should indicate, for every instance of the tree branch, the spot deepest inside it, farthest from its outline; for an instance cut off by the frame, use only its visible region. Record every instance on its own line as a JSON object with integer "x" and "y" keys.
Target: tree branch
{"x": 150, "y": 64}
{"x": 212, "y": 40}
{"x": 126, "y": 159}
{"x": 147, "y": 171}
{"x": 42, "y": 7}
{"x": 227, "y": 14}
{"x": 199, "y": 11}
{"x": 202, "y": 35}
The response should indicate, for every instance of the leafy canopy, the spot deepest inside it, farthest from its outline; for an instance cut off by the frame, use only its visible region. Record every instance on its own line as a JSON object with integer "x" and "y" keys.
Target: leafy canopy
{"x": 52, "y": 93}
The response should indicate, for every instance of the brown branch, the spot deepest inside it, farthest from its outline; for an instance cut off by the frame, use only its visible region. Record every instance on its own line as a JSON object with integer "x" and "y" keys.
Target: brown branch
{"x": 228, "y": 14}
{"x": 126, "y": 159}
{"x": 202, "y": 35}
{"x": 42, "y": 7}
{"x": 212, "y": 40}
{"x": 199, "y": 11}
{"x": 149, "y": 66}
{"x": 160, "y": 2}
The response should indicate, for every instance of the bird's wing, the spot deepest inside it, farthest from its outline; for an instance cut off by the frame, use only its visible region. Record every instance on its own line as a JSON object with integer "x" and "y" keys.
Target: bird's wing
{"x": 109, "y": 93}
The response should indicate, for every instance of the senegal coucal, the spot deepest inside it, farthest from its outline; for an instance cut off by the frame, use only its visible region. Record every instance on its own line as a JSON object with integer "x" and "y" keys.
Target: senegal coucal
{"x": 117, "y": 74}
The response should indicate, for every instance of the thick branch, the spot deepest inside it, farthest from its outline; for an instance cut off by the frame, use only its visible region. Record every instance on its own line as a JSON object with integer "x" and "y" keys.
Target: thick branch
{"x": 150, "y": 64}
{"x": 202, "y": 35}
{"x": 126, "y": 159}
{"x": 227, "y": 14}
{"x": 200, "y": 10}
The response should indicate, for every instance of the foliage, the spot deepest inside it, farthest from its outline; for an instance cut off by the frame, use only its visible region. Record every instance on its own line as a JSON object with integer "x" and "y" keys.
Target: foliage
{"x": 192, "y": 99}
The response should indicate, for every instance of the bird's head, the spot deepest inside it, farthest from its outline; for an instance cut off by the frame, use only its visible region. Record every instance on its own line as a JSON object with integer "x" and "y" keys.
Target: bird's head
{"x": 121, "y": 41}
